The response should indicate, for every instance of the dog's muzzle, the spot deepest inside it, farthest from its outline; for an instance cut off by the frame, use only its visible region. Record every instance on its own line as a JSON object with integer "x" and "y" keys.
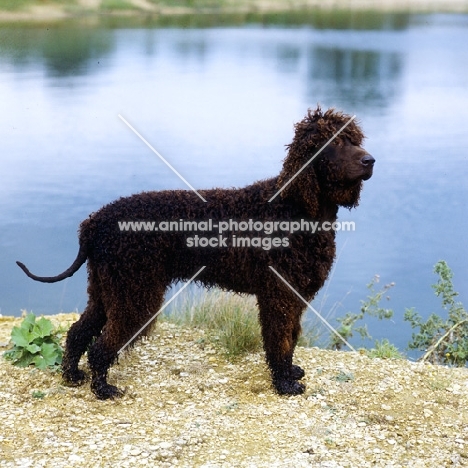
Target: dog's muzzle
{"x": 367, "y": 162}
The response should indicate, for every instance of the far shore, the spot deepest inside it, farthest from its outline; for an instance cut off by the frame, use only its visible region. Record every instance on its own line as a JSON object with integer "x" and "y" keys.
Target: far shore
{"x": 56, "y": 11}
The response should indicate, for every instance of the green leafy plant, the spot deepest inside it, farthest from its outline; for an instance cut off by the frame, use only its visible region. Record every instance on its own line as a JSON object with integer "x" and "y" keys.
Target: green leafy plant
{"x": 38, "y": 394}
{"x": 35, "y": 342}
{"x": 384, "y": 350}
{"x": 343, "y": 376}
{"x": 444, "y": 340}
{"x": 370, "y": 307}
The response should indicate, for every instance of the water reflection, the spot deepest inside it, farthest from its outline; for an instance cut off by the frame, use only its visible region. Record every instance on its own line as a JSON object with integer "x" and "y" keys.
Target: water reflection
{"x": 63, "y": 52}
{"x": 289, "y": 58}
{"x": 74, "y": 53}
{"x": 76, "y": 46}
{"x": 356, "y": 77}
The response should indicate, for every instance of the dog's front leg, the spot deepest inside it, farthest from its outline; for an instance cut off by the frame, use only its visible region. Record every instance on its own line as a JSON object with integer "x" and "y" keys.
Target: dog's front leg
{"x": 280, "y": 319}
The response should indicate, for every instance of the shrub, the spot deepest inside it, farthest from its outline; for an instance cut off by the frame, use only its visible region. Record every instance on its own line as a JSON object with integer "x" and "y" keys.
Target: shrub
{"x": 35, "y": 342}
{"x": 370, "y": 307}
{"x": 444, "y": 340}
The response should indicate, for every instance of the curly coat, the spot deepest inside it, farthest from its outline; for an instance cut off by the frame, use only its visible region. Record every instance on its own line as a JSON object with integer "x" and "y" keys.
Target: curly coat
{"x": 129, "y": 272}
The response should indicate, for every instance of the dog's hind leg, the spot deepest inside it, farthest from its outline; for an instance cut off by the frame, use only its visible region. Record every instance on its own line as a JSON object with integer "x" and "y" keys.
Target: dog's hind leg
{"x": 297, "y": 373}
{"x": 280, "y": 317}
{"x": 125, "y": 318}
{"x": 81, "y": 334}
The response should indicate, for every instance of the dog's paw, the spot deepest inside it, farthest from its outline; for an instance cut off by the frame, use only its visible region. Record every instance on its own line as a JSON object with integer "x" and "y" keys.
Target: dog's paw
{"x": 106, "y": 391}
{"x": 75, "y": 378}
{"x": 289, "y": 387}
{"x": 297, "y": 372}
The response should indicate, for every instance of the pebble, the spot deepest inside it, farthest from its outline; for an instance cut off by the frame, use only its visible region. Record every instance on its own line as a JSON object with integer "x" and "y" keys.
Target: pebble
{"x": 187, "y": 425}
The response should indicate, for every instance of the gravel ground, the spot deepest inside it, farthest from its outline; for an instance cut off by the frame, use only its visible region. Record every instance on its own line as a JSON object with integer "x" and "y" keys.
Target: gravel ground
{"x": 186, "y": 405}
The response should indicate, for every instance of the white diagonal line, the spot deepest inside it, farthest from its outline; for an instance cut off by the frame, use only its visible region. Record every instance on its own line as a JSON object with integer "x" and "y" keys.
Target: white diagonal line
{"x": 159, "y": 156}
{"x": 161, "y": 309}
{"x": 312, "y": 309}
{"x": 312, "y": 158}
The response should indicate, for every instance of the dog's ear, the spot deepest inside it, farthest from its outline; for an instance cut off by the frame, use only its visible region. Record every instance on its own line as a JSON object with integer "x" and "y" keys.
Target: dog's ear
{"x": 304, "y": 187}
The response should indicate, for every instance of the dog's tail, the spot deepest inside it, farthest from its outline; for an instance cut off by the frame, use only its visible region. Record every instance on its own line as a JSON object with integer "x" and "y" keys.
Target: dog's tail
{"x": 80, "y": 259}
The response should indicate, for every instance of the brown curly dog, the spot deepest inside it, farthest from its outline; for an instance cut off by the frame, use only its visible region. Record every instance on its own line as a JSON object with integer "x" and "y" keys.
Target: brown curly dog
{"x": 130, "y": 270}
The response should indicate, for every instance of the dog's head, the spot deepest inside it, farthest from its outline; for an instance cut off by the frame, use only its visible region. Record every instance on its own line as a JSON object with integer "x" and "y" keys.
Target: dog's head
{"x": 334, "y": 172}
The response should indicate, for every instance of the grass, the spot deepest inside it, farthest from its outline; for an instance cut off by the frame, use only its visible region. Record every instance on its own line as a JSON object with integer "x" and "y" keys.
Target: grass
{"x": 194, "y": 3}
{"x": 230, "y": 320}
{"x": 384, "y": 350}
{"x": 12, "y": 5}
{"x": 117, "y": 5}
{"x": 15, "y": 5}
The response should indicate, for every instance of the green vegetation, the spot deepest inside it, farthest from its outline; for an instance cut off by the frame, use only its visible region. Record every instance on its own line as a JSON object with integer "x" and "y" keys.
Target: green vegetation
{"x": 36, "y": 343}
{"x": 444, "y": 340}
{"x": 343, "y": 376}
{"x": 201, "y": 13}
{"x": 384, "y": 350}
{"x": 14, "y": 5}
{"x": 230, "y": 320}
{"x": 370, "y": 307}
{"x": 196, "y": 3}
{"x": 116, "y": 5}
{"x": 310, "y": 336}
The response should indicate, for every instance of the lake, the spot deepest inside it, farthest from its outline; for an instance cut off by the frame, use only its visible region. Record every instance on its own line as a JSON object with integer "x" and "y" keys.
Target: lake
{"x": 219, "y": 101}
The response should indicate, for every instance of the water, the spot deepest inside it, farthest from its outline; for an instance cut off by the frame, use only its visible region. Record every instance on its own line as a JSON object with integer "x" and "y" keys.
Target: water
{"x": 219, "y": 103}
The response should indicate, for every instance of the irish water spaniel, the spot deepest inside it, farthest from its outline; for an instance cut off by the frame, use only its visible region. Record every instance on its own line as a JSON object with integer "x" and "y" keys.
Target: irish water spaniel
{"x": 130, "y": 270}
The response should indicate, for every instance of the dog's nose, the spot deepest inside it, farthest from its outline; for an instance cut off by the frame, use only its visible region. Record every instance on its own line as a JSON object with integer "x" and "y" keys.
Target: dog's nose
{"x": 367, "y": 160}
